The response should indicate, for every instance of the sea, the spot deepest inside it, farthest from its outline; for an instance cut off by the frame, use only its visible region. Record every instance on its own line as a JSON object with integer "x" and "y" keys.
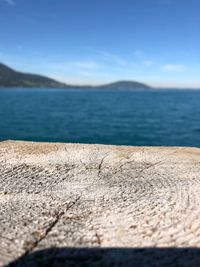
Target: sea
{"x": 134, "y": 118}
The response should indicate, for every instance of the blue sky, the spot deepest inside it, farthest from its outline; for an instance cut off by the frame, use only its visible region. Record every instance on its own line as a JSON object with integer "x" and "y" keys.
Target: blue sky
{"x": 99, "y": 41}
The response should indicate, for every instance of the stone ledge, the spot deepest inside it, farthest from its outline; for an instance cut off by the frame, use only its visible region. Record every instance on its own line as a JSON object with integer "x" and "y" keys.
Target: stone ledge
{"x": 95, "y": 196}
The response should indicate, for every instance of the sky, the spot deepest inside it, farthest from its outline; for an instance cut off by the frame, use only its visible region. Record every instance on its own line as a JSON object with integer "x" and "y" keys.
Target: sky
{"x": 100, "y": 41}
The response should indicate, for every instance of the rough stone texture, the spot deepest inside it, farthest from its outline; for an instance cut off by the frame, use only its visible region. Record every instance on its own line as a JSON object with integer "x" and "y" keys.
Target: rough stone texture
{"x": 95, "y": 205}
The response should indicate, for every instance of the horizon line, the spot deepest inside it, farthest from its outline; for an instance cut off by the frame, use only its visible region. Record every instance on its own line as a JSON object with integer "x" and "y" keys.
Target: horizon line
{"x": 153, "y": 85}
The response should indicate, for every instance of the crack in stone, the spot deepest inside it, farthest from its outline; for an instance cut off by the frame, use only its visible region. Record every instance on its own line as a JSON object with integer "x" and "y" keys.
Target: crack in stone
{"x": 98, "y": 239}
{"x": 101, "y": 164}
{"x": 29, "y": 246}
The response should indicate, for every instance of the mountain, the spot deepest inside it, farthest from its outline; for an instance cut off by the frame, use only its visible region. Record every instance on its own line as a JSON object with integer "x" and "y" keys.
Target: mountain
{"x": 125, "y": 85}
{"x": 13, "y": 78}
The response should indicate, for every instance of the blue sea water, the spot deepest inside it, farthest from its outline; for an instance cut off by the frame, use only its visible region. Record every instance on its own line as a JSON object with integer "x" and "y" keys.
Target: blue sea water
{"x": 151, "y": 117}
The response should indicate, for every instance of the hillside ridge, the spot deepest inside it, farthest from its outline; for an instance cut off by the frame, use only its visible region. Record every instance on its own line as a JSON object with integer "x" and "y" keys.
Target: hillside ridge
{"x": 12, "y": 78}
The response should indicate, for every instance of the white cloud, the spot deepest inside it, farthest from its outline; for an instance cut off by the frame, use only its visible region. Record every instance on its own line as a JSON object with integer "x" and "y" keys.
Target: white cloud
{"x": 80, "y": 65}
{"x": 142, "y": 58}
{"x": 174, "y": 68}
{"x": 112, "y": 58}
{"x": 109, "y": 57}
{"x": 10, "y": 2}
{"x": 85, "y": 73}
{"x": 86, "y": 65}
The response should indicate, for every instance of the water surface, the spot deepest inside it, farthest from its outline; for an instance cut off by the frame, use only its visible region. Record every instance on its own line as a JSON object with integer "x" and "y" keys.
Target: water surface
{"x": 154, "y": 117}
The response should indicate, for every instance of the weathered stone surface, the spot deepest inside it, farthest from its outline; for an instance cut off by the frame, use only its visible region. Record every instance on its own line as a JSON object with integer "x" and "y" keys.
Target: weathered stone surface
{"x": 64, "y": 197}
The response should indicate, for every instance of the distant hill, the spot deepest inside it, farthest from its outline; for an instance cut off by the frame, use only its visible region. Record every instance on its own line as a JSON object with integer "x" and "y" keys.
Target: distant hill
{"x": 13, "y": 78}
{"x": 125, "y": 85}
